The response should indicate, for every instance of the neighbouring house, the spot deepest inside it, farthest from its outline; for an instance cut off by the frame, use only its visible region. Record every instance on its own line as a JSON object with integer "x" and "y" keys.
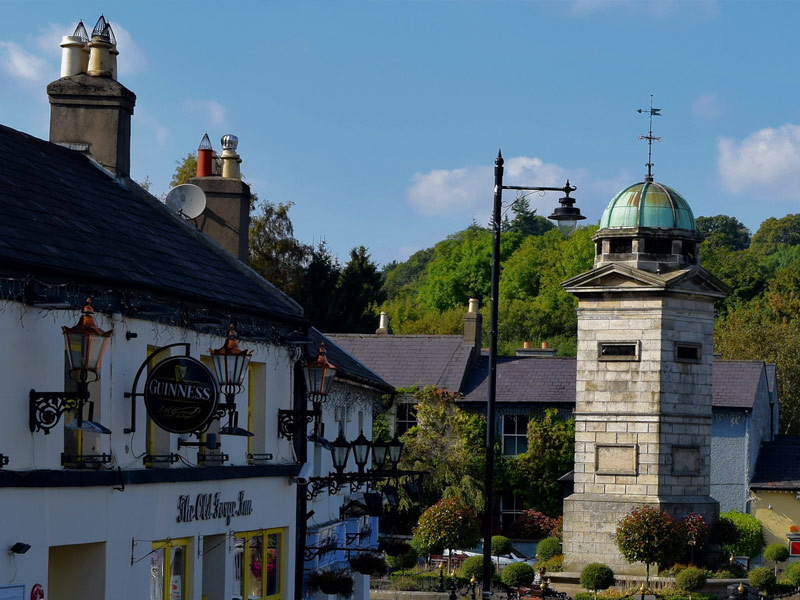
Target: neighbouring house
{"x": 775, "y": 492}
{"x": 142, "y": 451}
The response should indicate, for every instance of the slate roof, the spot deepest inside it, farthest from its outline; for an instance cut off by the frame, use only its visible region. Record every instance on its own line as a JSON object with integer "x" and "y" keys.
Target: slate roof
{"x": 552, "y": 381}
{"x": 349, "y": 367}
{"x": 64, "y": 219}
{"x": 523, "y": 379}
{"x": 778, "y": 465}
{"x": 736, "y": 382}
{"x": 410, "y": 360}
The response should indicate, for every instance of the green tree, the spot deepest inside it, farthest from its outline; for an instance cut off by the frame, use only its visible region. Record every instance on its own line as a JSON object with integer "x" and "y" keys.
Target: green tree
{"x": 776, "y": 233}
{"x": 596, "y": 576}
{"x": 792, "y": 574}
{"x": 275, "y": 254}
{"x": 500, "y": 545}
{"x": 517, "y": 575}
{"x": 724, "y": 231}
{"x": 750, "y": 539}
{"x": 186, "y": 168}
{"x": 533, "y": 475}
{"x": 473, "y": 567}
{"x": 358, "y": 294}
{"x": 762, "y": 579}
{"x": 526, "y": 222}
{"x": 404, "y": 278}
{"x": 319, "y": 275}
{"x": 447, "y": 524}
{"x": 447, "y": 443}
{"x": 650, "y": 536}
{"x": 776, "y": 553}
{"x": 691, "y": 579}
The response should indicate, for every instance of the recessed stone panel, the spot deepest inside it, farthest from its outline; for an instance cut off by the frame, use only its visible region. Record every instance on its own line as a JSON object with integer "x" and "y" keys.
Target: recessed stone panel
{"x": 616, "y": 459}
{"x": 686, "y": 460}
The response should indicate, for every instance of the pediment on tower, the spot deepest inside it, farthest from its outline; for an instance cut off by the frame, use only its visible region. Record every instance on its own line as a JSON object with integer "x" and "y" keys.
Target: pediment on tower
{"x": 622, "y": 278}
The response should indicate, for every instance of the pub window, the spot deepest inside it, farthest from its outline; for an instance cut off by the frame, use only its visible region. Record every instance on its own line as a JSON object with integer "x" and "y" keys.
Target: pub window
{"x": 618, "y": 351}
{"x": 169, "y": 569}
{"x": 406, "y": 417}
{"x": 687, "y": 352}
{"x": 515, "y": 434}
{"x": 257, "y": 565}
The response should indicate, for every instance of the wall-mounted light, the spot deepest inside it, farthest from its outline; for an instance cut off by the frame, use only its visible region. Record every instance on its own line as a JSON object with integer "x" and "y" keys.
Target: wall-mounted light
{"x": 85, "y": 345}
{"x": 19, "y": 548}
{"x": 230, "y": 367}
{"x": 319, "y": 376}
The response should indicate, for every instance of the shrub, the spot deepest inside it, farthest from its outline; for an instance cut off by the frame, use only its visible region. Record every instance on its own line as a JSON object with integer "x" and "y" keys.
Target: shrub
{"x": 449, "y": 524}
{"x": 596, "y": 576}
{"x": 776, "y": 553}
{"x": 691, "y": 579}
{"x": 761, "y": 578}
{"x": 750, "y": 539}
{"x": 473, "y": 565}
{"x": 368, "y": 563}
{"x": 331, "y": 582}
{"x": 554, "y": 564}
{"x": 548, "y": 548}
{"x": 393, "y": 547}
{"x": 517, "y": 574}
{"x": 792, "y": 574}
{"x": 500, "y": 545}
{"x": 532, "y": 524}
{"x": 404, "y": 561}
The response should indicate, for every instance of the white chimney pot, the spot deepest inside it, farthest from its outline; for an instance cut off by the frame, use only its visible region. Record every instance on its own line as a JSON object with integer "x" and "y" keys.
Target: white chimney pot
{"x": 71, "y": 56}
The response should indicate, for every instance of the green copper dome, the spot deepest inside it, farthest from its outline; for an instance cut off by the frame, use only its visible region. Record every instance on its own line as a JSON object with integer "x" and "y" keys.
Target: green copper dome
{"x": 648, "y": 204}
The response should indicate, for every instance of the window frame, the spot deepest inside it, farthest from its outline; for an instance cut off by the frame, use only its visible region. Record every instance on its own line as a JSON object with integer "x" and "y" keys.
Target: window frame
{"x": 516, "y": 435}
{"x": 264, "y": 534}
{"x": 168, "y": 545}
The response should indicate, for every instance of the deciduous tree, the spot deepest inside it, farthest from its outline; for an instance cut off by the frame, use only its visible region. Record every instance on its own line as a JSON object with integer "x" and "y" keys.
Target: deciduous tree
{"x": 648, "y": 535}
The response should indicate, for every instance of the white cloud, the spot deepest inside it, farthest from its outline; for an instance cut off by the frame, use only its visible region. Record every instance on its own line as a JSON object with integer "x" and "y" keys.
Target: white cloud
{"x": 212, "y": 112}
{"x": 23, "y": 66}
{"x": 132, "y": 59}
{"x": 707, "y": 106}
{"x": 654, "y": 8}
{"x": 769, "y": 158}
{"x": 466, "y": 192}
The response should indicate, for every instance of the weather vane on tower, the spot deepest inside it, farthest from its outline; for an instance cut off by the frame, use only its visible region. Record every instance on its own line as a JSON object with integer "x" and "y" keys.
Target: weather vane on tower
{"x": 653, "y": 112}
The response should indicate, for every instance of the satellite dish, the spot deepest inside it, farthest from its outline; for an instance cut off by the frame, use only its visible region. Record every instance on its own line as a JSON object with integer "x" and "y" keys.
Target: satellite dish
{"x": 188, "y": 200}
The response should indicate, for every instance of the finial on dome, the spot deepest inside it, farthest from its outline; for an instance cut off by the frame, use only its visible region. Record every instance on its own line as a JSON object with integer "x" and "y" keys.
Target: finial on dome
{"x": 653, "y": 112}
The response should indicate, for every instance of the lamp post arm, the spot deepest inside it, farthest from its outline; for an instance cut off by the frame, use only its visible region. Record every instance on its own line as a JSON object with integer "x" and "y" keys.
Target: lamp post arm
{"x": 565, "y": 189}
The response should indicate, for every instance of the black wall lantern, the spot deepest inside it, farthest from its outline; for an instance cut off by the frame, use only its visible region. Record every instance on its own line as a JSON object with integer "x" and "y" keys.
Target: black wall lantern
{"x": 340, "y": 452}
{"x": 85, "y": 345}
{"x": 230, "y": 367}
{"x": 380, "y": 449}
{"x": 360, "y": 446}
{"x": 395, "y": 448}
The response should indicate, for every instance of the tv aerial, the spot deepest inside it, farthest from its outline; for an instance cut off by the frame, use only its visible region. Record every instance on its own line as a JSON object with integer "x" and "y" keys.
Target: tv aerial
{"x": 188, "y": 200}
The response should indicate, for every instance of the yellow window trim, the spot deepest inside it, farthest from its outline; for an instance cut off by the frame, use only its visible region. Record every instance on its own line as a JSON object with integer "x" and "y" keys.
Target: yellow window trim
{"x": 246, "y": 536}
{"x": 167, "y": 545}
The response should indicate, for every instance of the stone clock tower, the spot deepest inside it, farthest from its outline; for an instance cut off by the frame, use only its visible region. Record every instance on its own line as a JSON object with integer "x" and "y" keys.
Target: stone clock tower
{"x": 645, "y": 338}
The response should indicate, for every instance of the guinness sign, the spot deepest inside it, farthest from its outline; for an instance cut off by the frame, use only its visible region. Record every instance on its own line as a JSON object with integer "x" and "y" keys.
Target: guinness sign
{"x": 180, "y": 394}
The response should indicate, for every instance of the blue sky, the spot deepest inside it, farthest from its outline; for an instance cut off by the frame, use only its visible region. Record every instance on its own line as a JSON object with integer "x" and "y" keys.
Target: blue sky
{"x": 380, "y": 121}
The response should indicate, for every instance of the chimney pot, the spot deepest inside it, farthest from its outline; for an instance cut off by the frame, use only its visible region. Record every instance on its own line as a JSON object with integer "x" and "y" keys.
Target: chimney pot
{"x": 205, "y": 157}
{"x": 71, "y": 55}
{"x": 544, "y": 346}
{"x": 383, "y": 324}
{"x": 526, "y": 345}
{"x": 474, "y": 304}
{"x": 230, "y": 160}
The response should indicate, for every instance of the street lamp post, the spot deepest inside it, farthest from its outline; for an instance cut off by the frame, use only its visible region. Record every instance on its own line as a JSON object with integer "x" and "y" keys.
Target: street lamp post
{"x": 566, "y": 217}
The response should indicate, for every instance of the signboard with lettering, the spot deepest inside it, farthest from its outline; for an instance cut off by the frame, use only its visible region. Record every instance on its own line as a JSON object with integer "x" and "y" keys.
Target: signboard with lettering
{"x": 180, "y": 394}
{"x": 205, "y": 507}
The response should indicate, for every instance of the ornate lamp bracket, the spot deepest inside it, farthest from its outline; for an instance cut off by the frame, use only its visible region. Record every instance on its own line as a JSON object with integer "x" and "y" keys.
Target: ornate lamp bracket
{"x": 290, "y": 422}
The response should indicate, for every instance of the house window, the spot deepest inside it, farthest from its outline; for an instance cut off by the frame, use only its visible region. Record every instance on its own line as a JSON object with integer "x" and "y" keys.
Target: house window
{"x": 257, "y": 565}
{"x": 406, "y": 417}
{"x": 618, "y": 351}
{"x": 169, "y": 569}
{"x": 511, "y": 508}
{"x": 687, "y": 352}
{"x": 515, "y": 434}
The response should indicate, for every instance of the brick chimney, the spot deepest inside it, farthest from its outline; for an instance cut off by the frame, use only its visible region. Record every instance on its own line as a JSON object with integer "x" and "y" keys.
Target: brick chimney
{"x": 473, "y": 320}
{"x": 89, "y": 110}
{"x": 226, "y": 219}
